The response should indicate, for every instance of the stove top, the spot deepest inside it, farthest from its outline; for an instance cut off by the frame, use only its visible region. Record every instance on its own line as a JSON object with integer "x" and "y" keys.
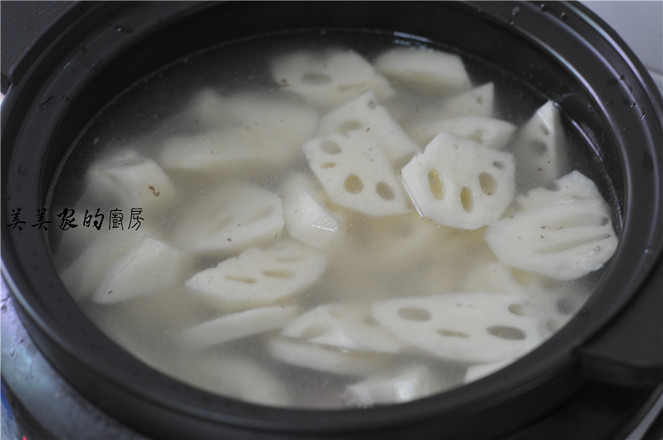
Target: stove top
{"x": 36, "y": 402}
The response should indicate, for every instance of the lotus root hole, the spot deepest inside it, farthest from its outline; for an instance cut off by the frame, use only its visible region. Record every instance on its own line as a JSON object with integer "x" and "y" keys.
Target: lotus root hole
{"x": 344, "y": 88}
{"x": 466, "y": 199}
{"x": 436, "y": 184}
{"x": 414, "y": 314}
{"x": 385, "y": 191}
{"x": 517, "y": 309}
{"x": 452, "y": 333}
{"x": 353, "y": 184}
{"x": 539, "y": 148}
{"x": 316, "y": 78}
{"x": 506, "y": 332}
{"x": 315, "y": 330}
{"x": 278, "y": 273}
{"x": 488, "y": 183}
{"x": 330, "y": 147}
{"x": 245, "y": 280}
{"x": 350, "y": 125}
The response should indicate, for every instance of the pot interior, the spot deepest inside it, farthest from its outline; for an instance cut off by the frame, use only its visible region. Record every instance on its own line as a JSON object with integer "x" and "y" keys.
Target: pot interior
{"x": 182, "y": 106}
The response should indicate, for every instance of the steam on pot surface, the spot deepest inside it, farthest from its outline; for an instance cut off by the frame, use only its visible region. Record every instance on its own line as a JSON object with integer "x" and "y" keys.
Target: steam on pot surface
{"x": 322, "y": 220}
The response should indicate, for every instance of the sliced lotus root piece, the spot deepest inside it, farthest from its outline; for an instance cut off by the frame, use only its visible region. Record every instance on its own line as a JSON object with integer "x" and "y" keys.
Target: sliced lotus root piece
{"x": 307, "y": 216}
{"x": 259, "y": 276}
{"x": 356, "y": 173}
{"x": 253, "y": 133}
{"x": 488, "y": 132}
{"x": 479, "y": 101}
{"x": 330, "y": 79}
{"x": 474, "y": 327}
{"x": 572, "y": 186}
{"x": 231, "y": 375}
{"x": 365, "y": 113}
{"x": 419, "y": 114}
{"x": 540, "y": 147}
{"x": 562, "y": 233}
{"x": 457, "y": 182}
{"x": 402, "y": 386}
{"x": 395, "y": 242}
{"x": 498, "y": 277}
{"x": 237, "y": 325}
{"x": 276, "y": 113}
{"x": 425, "y": 70}
{"x": 346, "y": 326}
{"x": 324, "y": 357}
{"x": 131, "y": 180}
{"x": 232, "y": 218}
{"x": 83, "y": 274}
{"x": 148, "y": 267}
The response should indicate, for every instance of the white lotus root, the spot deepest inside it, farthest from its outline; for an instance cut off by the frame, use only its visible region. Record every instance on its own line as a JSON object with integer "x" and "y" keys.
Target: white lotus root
{"x": 259, "y": 276}
{"x": 243, "y": 132}
{"x": 426, "y": 70}
{"x": 365, "y": 113}
{"x": 540, "y": 148}
{"x": 306, "y": 216}
{"x": 479, "y": 101}
{"x": 488, "y": 132}
{"x": 208, "y": 109}
{"x": 465, "y": 327}
{"x": 237, "y": 325}
{"x": 498, "y": 277}
{"x": 476, "y": 372}
{"x": 325, "y": 358}
{"x": 419, "y": 119}
{"x": 356, "y": 173}
{"x": 411, "y": 383}
{"x": 551, "y": 303}
{"x": 83, "y": 275}
{"x": 456, "y": 182}
{"x": 150, "y": 266}
{"x": 232, "y": 218}
{"x": 330, "y": 79}
{"x": 394, "y": 242}
{"x": 346, "y": 326}
{"x": 564, "y": 233}
{"x": 130, "y": 180}
{"x": 233, "y": 376}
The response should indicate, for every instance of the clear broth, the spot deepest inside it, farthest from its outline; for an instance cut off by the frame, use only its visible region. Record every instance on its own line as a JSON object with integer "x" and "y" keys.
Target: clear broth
{"x": 148, "y": 327}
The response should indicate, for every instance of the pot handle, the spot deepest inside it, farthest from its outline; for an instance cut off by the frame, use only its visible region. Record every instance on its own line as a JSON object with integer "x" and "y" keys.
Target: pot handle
{"x": 630, "y": 351}
{"x": 24, "y": 25}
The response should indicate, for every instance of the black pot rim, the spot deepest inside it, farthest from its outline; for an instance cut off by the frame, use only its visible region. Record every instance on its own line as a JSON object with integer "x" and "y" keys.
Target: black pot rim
{"x": 57, "y": 326}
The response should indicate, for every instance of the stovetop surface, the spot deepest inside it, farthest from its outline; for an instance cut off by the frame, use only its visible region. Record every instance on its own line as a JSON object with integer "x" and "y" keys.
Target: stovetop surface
{"x": 36, "y": 402}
